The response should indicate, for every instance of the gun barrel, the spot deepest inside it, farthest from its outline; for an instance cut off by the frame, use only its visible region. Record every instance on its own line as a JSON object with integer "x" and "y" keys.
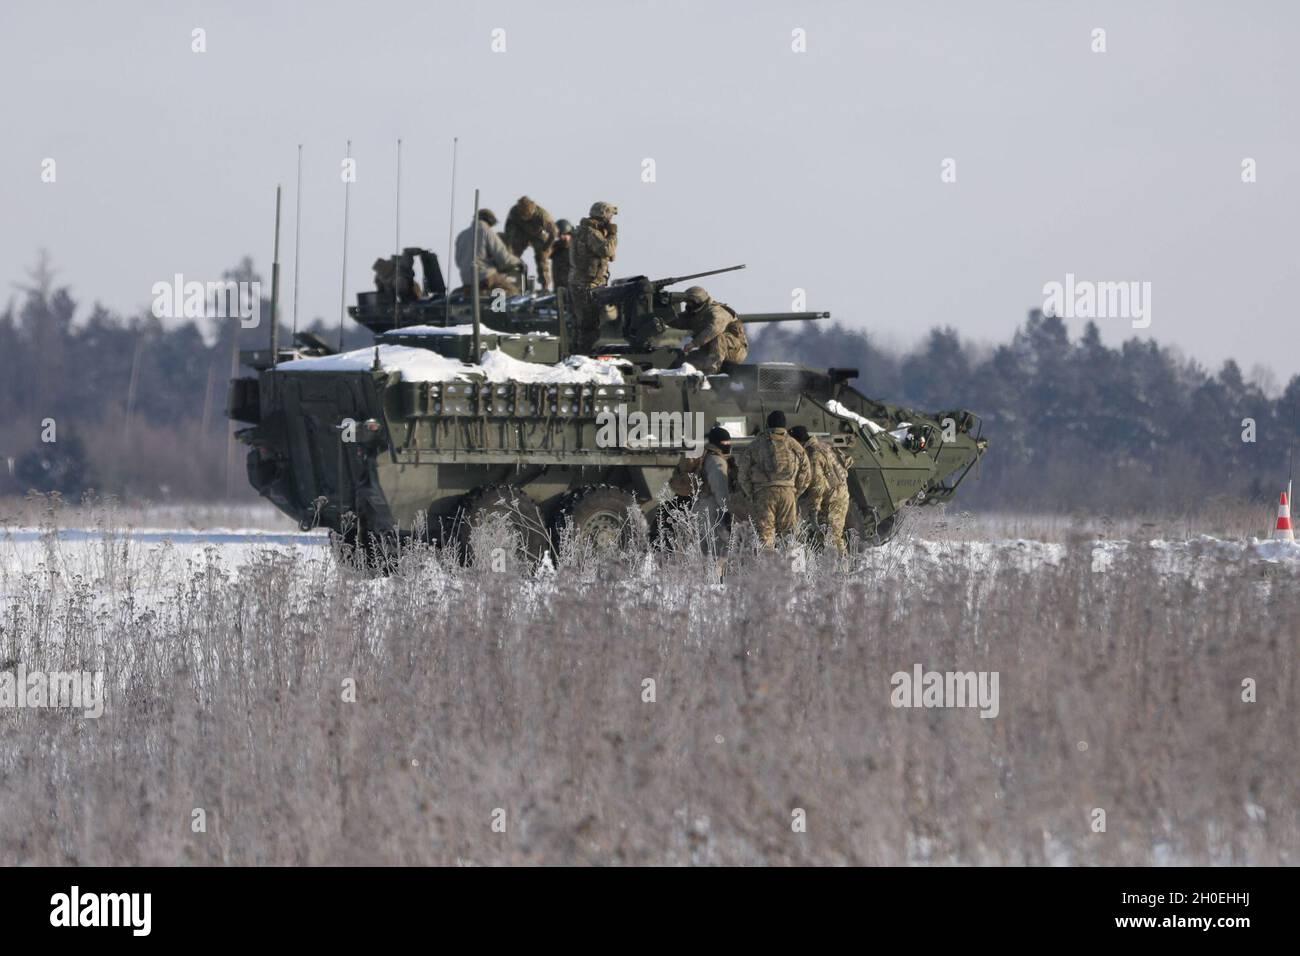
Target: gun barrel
{"x": 660, "y": 283}
{"x": 749, "y": 317}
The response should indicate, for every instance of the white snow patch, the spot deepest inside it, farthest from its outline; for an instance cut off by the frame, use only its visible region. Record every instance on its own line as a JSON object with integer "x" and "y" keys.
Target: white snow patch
{"x": 835, "y": 408}
{"x": 576, "y": 369}
{"x": 422, "y": 365}
{"x": 687, "y": 370}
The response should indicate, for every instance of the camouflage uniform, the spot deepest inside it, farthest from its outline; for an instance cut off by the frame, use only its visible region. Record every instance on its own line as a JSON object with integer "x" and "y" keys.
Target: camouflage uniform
{"x": 717, "y": 334}
{"x": 495, "y": 261}
{"x": 774, "y": 472}
{"x": 593, "y": 248}
{"x": 529, "y": 225}
{"x": 828, "y": 491}
{"x": 396, "y": 276}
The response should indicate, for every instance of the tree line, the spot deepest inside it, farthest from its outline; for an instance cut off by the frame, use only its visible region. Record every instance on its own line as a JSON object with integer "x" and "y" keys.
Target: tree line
{"x": 136, "y": 406}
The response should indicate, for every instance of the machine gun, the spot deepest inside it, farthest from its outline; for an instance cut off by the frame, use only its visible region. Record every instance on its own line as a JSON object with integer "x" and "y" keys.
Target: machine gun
{"x": 644, "y": 305}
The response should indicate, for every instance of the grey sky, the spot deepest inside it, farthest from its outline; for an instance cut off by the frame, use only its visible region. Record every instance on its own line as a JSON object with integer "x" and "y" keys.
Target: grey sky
{"x": 820, "y": 170}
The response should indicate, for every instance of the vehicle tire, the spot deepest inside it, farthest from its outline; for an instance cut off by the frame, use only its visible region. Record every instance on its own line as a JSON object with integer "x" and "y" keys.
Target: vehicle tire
{"x": 516, "y": 509}
{"x": 606, "y": 516}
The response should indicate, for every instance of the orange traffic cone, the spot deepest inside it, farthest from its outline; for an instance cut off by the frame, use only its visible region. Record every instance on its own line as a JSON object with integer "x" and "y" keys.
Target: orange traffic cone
{"x": 1283, "y": 531}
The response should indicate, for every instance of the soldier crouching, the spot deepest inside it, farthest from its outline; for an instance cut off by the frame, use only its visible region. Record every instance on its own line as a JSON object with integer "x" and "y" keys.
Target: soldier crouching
{"x": 717, "y": 334}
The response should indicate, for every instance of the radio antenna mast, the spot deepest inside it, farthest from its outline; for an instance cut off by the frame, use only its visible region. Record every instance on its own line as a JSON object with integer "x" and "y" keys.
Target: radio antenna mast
{"x": 343, "y": 292}
{"x": 397, "y": 238}
{"x": 275, "y": 285}
{"x": 451, "y": 229}
{"x": 297, "y": 238}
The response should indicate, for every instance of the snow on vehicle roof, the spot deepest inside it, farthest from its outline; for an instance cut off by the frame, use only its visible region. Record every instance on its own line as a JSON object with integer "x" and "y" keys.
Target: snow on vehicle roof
{"x": 422, "y": 365}
{"x": 835, "y": 408}
{"x": 687, "y": 370}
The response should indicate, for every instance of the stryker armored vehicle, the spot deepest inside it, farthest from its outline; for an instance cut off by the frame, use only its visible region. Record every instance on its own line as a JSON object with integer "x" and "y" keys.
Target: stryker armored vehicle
{"x": 454, "y": 414}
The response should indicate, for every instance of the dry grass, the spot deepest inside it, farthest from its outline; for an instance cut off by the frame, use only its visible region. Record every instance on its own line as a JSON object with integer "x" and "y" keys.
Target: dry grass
{"x": 479, "y": 690}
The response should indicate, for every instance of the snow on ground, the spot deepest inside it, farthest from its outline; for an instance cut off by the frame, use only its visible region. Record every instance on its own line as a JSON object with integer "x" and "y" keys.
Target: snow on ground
{"x": 156, "y": 561}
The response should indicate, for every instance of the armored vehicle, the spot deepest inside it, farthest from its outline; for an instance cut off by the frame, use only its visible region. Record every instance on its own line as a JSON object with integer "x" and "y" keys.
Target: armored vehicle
{"x": 455, "y": 414}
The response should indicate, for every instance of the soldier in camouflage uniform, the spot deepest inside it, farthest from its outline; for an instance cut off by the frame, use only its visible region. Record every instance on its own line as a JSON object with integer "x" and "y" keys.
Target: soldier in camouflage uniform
{"x": 828, "y": 491}
{"x": 496, "y": 263}
{"x": 705, "y": 481}
{"x": 395, "y": 276}
{"x": 529, "y": 225}
{"x": 593, "y": 248}
{"x": 774, "y": 472}
{"x": 717, "y": 334}
{"x": 560, "y": 253}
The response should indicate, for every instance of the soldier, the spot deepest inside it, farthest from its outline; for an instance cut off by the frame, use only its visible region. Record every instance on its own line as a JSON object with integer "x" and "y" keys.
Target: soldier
{"x": 774, "y": 472}
{"x": 560, "y": 253}
{"x": 495, "y": 261}
{"x": 828, "y": 491}
{"x": 717, "y": 334}
{"x": 396, "y": 276}
{"x": 707, "y": 479}
{"x": 593, "y": 248}
{"x": 385, "y": 278}
{"x": 529, "y": 225}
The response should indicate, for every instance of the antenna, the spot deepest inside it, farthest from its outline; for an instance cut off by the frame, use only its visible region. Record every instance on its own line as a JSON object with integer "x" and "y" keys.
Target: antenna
{"x": 275, "y": 284}
{"x": 343, "y": 292}
{"x": 297, "y": 236}
{"x": 397, "y": 240}
{"x": 451, "y": 229}
{"x": 478, "y": 355}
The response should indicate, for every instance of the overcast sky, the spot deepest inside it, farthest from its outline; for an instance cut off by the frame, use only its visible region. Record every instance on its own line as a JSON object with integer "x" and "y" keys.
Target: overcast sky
{"x": 821, "y": 170}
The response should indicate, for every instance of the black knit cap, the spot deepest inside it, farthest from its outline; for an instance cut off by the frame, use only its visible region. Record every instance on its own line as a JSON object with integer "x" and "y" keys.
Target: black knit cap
{"x": 776, "y": 419}
{"x": 718, "y": 436}
{"x": 799, "y": 434}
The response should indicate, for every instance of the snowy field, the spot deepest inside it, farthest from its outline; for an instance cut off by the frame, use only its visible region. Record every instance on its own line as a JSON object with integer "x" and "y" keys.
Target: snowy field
{"x": 637, "y": 708}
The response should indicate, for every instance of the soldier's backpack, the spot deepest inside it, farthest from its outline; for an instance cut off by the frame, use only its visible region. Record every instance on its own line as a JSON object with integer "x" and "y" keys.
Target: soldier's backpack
{"x": 735, "y": 328}
{"x": 776, "y": 458}
{"x": 687, "y": 476}
{"x": 837, "y": 473}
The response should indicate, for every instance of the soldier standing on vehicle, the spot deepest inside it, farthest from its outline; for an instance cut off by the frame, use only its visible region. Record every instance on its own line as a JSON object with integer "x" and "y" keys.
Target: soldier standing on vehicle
{"x": 495, "y": 262}
{"x": 828, "y": 489}
{"x": 560, "y": 253}
{"x": 717, "y": 334}
{"x": 594, "y": 245}
{"x": 529, "y": 225}
{"x": 774, "y": 472}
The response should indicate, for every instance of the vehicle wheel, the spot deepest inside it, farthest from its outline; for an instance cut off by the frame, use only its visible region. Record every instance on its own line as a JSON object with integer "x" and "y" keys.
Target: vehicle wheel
{"x": 514, "y": 511}
{"x": 606, "y": 517}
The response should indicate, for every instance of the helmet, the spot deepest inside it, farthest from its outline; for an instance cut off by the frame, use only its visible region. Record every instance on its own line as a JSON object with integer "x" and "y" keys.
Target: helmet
{"x": 603, "y": 210}
{"x": 527, "y": 208}
{"x": 564, "y": 227}
{"x": 488, "y": 216}
{"x": 696, "y": 295}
